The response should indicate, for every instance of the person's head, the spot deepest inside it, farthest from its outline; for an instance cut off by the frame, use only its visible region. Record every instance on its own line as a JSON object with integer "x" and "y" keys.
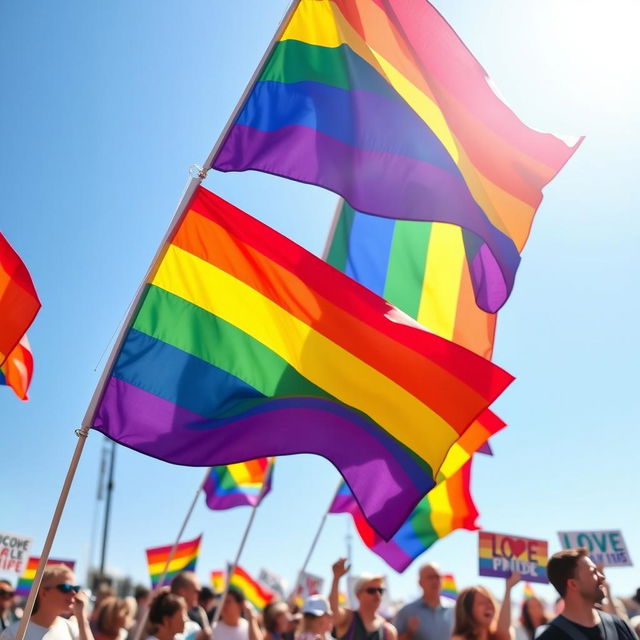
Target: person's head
{"x": 6, "y": 595}
{"x": 575, "y": 576}
{"x": 369, "y": 589}
{"x": 168, "y": 611}
{"x": 57, "y": 591}
{"x": 475, "y": 610}
{"x": 276, "y": 616}
{"x": 187, "y": 585}
{"x": 430, "y": 581}
{"x": 317, "y": 615}
{"x": 112, "y": 615}
{"x": 142, "y": 595}
{"x": 232, "y": 607}
{"x": 207, "y": 598}
{"x": 532, "y": 615}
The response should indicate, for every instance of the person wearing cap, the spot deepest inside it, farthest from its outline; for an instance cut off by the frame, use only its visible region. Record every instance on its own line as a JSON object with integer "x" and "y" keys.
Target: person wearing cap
{"x": 364, "y": 623}
{"x": 430, "y": 617}
{"x": 317, "y": 619}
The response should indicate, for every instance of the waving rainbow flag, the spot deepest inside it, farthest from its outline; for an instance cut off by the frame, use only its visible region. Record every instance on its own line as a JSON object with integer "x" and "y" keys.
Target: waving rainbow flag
{"x": 242, "y": 336}
{"x": 447, "y": 507}
{"x": 449, "y": 587}
{"x": 26, "y": 579}
{"x": 234, "y": 485}
{"x": 184, "y": 559}
{"x": 252, "y": 590}
{"x": 17, "y": 370}
{"x": 382, "y": 103}
{"x": 218, "y": 580}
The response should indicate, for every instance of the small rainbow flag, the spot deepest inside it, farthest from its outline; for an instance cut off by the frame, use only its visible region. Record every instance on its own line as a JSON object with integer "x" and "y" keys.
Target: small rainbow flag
{"x": 447, "y": 507}
{"x": 257, "y": 594}
{"x": 528, "y": 592}
{"x": 449, "y": 587}
{"x": 17, "y": 370}
{"x": 184, "y": 559}
{"x": 26, "y": 580}
{"x": 218, "y": 580}
{"x": 235, "y": 485}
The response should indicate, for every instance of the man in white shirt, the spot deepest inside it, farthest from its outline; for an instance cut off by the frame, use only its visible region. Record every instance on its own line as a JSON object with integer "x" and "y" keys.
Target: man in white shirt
{"x": 232, "y": 626}
{"x": 58, "y": 596}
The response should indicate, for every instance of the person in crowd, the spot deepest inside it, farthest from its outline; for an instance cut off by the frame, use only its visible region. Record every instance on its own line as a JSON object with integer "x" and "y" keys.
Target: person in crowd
{"x": 430, "y": 617}
{"x": 58, "y": 596}
{"x": 187, "y": 585}
{"x": 317, "y": 619}
{"x": 111, "y": 619}
{"x": 142, "y": 596}
{"x": 532, "y": 617}
{"x": 364, "y": 623}
{"x": 476, "y": 614}
{"x": 207, "y": 600}
{"x": 7, "y": 594}
{"x": 167, "y": 616}
{"x": 581, "y": 586}
{"x": 276, "y": 619}
{"x": 103, "y": 592}
{"x": 232, "y": 625}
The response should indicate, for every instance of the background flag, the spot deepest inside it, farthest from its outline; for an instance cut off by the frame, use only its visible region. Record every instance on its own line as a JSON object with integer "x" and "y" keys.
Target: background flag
{"x": 382, "y": 103}
{"x": 25, "y": 581}
{"x": 17, "y": 370}
{"x": 242, "y": 336}
{"x": 256, "y": 593}
{"x": 218, "y": 580}
{"x": 449, "y": 587}
{"x": 234, "y": 485}
{"x": 184, "y": 559}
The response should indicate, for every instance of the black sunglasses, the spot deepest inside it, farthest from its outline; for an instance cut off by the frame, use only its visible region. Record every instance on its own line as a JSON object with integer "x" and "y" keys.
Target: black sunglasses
{"x": 7, "y": 594}
{"x": 372, "y": 590}
{"x": 65, "y": 587}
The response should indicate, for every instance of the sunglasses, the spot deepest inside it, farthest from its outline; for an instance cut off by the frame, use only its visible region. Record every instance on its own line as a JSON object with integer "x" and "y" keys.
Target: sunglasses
{"x": 7, "y": 594}
{"x": 67, "y": 588}
{"x": 373, "y": 590}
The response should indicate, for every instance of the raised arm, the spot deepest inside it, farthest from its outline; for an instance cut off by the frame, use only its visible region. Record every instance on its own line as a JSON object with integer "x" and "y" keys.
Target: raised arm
{"x": 504, "y": 630}
{"x": 340, "y": 614}
{"x": 80, "y": 611}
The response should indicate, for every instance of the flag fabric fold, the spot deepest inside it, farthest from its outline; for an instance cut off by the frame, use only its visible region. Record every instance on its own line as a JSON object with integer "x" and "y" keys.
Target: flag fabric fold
{"x": 17, "y": 370}
{"x": 235, "y": 485}
{"x": 19, "y": 301}
{"x": 253, "y": 591}
{"x": 447, "y": 507}
{"x": 242, "y": 336}
{"x": 184, "y": 559}
{"x": 380, "y": 102}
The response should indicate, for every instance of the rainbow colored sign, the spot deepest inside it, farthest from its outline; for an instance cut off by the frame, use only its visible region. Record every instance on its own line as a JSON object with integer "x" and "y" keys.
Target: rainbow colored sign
{"x": 500, "y": 555}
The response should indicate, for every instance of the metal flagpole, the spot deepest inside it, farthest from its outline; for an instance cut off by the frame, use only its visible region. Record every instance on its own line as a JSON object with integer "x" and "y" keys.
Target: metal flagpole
{"x": 231, "y": 570}
{"x": 87, "y": 421}
{"x": 107, "y": 509}
{"x": 145, "y": 615}
{"x": 332, "y": 229}
{"x": 315, "y": 539}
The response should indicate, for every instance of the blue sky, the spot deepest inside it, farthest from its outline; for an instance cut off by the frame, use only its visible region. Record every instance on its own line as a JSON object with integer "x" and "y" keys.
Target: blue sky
{"x": 106, "y": 105}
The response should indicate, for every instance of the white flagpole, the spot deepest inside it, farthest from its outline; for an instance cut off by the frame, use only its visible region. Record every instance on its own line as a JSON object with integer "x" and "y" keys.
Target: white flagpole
{"x": 87, "y": 421}
{"x": 332, "y": 229}
{"x": 317, "y": 536}
{"x": 145, "y": 615}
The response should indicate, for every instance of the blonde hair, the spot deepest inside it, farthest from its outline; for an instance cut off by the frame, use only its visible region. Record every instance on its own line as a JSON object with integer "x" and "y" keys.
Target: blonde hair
{"x": 465, "y": 624}
{"x": 51, "y": 571}
{"x": 106, "y": 617}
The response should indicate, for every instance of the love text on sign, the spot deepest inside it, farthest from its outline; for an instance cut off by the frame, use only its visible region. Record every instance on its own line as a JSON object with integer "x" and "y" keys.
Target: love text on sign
{"x": 500, "y": 555}
{"x": 606, "y": 548}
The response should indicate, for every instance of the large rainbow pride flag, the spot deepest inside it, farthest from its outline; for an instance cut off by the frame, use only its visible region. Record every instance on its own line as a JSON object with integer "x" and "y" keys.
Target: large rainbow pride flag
{"x": 26, "y": 579}
{"x": 447, "y": 507}
{"x": 381, "y": 102}
{"x": 184, "y": 559}
{"x": 234, "y": 485}
{"x": 17, "y": 370}
{"x": 19, "y": 301}
{"x": 242, "y": 336}
{"x": 252, "y": 590}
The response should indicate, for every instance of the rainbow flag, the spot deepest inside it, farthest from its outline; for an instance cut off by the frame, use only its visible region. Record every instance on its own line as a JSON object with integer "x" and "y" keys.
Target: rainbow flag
{"x": 218, "y": 580}
{"x": 242, "y": 336}
{"x": 382, "y": 103}
{"x": 528, "y": 592}
{"x": 447, "y": 507}
{"x": 234, "y": 485}
{"x": 253, "y": 591}
{"x": 184, "y": 559}
{"x": 449, "y": 587}
{"x": 17, "y": 370}
{"x": 19, "y": 301}
{"x": 26, "y": 580}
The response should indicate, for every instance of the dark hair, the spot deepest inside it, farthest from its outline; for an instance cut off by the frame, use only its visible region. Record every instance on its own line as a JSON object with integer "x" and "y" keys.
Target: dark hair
{"x": 527, "y": 622}
{"x": 164, "y": 605}
{"x": 562, "y": 567}
{"x": 205, "y": 594}
{"x": 236, "y": 595}
{"x": 141, "y": 592}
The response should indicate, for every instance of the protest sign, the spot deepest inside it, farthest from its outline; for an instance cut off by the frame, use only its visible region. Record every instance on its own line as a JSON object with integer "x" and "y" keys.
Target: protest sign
{"x": 14, "y": 552}
{"x": 501, "y": 554}
{"x": 605, "y": 547}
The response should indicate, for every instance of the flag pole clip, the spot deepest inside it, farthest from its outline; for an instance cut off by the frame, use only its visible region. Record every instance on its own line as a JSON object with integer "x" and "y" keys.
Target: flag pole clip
{"x": 196, "y": 171}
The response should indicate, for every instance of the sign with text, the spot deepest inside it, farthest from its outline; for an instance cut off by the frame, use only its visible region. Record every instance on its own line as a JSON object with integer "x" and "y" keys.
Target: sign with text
{"x": 500, "y": 555}
{"x": 14, "y": 552}
{"x": 605, "y": 547}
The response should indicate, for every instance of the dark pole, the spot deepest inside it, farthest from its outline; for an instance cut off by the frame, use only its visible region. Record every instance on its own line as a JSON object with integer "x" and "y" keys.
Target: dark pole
{"x": 107, "y": 509}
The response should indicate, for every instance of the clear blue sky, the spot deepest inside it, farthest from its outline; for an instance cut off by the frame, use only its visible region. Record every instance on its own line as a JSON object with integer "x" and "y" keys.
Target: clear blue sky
{"x": 106, "y": 105}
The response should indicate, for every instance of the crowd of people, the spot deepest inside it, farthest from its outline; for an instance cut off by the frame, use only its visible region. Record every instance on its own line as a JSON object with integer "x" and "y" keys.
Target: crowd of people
{"x": 585, "y": 610}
